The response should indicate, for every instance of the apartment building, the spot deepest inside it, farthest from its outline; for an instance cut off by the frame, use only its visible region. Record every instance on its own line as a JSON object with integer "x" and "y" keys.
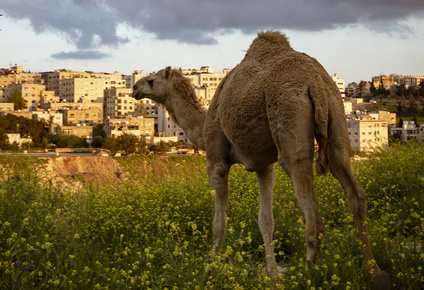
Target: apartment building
{"x": 133, "y": 78}
{"x": 53, "y": 80}
{"x": 31, "y": 93}
{"x": 48, "y": 117}
{"x": 16, "y": 75}
{"x": 7, "y": 107}
{"x": 366, "y": 134}
{"x": 167, "y": 127}
{"x": 82, "y": 90}
{"x": 48, "y": 97}
{"x": 395, "y": 80}
{"x": 389, "y": 118}
{"x": 205, "y": 82}
{"x": 119, "y": 102}
{"x": 409, "y": 131}
{"x": 138, "y": 126}
{"x": 340, "y": 84}
{"x": 79, "y": 115}
{"x": 82, "y": 131}
{"x": 114, "y": 80}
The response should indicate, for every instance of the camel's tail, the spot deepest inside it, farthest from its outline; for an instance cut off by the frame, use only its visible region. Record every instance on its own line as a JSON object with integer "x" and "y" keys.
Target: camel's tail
{"x": 319, "y": 97}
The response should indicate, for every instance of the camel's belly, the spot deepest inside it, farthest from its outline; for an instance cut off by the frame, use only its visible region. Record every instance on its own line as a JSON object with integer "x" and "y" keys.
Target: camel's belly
{"x": 252, "y": 143}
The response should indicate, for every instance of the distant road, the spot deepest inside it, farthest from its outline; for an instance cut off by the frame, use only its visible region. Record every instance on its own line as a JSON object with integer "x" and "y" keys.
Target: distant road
{"x": 48, "y": 154}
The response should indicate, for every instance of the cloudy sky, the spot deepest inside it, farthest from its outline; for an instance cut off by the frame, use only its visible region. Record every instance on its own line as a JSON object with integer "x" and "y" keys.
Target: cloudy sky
{"x": 354, "y": 38}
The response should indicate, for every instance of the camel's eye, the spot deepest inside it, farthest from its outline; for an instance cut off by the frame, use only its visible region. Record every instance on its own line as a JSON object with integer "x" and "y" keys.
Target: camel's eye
{"x": 150, "y": 82}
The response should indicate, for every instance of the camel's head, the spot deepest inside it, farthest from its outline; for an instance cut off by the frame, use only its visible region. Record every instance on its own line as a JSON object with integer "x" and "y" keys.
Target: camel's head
{"x": 156, "y": 86}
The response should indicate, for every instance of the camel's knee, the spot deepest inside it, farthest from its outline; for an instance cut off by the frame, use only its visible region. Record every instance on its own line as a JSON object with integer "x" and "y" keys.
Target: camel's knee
{"x": 357, "y": 203}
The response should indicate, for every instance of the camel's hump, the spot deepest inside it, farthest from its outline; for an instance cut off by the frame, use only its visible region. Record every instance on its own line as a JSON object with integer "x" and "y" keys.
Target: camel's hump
{"x": 270, "y": 38}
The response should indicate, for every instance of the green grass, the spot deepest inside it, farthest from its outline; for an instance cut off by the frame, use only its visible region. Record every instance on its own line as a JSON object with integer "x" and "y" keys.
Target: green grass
{"x": 153, "y": 229}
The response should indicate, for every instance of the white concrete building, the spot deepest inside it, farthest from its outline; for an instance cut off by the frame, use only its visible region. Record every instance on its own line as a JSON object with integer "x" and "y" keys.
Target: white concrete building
{"x": 366, "y": 134}
{"x": 340, "y": 84}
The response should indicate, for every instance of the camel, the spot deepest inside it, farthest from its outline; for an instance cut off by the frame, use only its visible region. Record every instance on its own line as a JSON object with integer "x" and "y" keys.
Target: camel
{"x": 269, "y": 109}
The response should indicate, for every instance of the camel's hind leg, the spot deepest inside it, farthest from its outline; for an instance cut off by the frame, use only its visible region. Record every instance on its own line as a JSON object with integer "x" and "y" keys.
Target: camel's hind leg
{"x": 301, "y": 172}
{"x": 266, "y": 180}
{"x": 291, "y": 119}
{"x": 341, "y": 169}
{"x": 218, "y": 179}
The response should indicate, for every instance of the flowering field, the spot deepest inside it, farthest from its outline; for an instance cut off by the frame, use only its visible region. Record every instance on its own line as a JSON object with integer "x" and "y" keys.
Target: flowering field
{"x": 152, "y": 229}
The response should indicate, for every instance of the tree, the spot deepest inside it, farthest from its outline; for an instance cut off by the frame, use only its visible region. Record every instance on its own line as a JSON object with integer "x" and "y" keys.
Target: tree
{"x": 399, "y": 107}
{"x": 400, "y": 122}
{"x": 412, "y": 105}
{"x": 16, "y": 98}
{"x": 361, "y": 86}
{"x": 97, "y": 142}
{"x": 111, "y": 144}
{"x": 128, "y": 143}
{"x": 4, "y": 140}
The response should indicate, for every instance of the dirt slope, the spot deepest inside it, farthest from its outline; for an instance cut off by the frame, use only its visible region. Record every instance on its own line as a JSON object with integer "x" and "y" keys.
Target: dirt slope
{"x": 86, "y": 166}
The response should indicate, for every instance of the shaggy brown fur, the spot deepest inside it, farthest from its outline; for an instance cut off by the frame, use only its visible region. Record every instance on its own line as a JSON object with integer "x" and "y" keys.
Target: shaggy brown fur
{"x": 269, "y": 108}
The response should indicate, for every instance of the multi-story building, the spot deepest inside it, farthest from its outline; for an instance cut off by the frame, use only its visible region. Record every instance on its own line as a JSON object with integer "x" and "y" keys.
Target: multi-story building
{"x": 389, "y": 118}
{"x": 48, "y": 97}
{"x": 16, "y": 75}
{"x": 133, "y": 78}
{"x": 31, "y": 93}
{"x": 54, "y": 79}
{"x": 205, "y": 82}
{"x": 6, "y": 107}
{"x": 340, "y": 84}
{"x": 409, "y": 131}
{"x": 114, "y": 80}
{"x": 347, "y": 107}
{"x": 48, "y": 117}
{"x": 82, "y": 90}
{"x": 395, "y": 80}
{"x": 82, "y": 131}
{"x": 79, "y": 115}
{"x": 167, "y": 127}
{"x": 366, "y": 134}
{"x": 118, "y": 102}
{"x": 139, "y": 126}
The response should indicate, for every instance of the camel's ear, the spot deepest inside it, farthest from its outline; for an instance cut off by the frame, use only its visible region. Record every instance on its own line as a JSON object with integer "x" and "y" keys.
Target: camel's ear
{"x": 167, "y": 72}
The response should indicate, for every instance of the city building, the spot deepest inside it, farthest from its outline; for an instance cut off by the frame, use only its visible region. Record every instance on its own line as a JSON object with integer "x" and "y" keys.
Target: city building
{"x": 82, "y": 131}
{"x": 366, "y": 134}
{"x": 48, "y": 117}
{"x": 31, "y": 93}
{"x": 167, "y": 127}
{"x": 119, "y": 102}
{"x": 205, "y": 82}
{"x": 6, "y": 107}
{"x": 16, "y": 75}
{"x": 389, "y": 118}
{"x": 53, "y": 80}
{"x": 79, "y": 115}
{"x": 340, "y": 84}
{"x": 82, "y": 90}
{"x": 395, "y": 80}
{"x": 409, "y": 131}
{"x": 138, "y": 126}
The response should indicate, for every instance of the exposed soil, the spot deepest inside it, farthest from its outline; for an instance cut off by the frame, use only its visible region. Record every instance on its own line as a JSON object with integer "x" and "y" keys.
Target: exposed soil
{"x": 85, "y": 166}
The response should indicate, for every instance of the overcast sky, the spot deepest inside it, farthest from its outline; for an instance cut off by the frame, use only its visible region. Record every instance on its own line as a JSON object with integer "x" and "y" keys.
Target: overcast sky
{"x": 356, "y": 39}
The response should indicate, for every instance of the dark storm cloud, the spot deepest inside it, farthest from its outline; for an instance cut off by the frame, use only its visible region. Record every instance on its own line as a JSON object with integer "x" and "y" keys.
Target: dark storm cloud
{"x": 80, "y": 54}
{"x": 93, "y": 23}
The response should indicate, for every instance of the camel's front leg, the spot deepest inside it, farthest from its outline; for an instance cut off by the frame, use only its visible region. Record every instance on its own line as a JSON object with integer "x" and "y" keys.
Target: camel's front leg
{"x": 218, "y": 179}
{"x": 266, "y": 180}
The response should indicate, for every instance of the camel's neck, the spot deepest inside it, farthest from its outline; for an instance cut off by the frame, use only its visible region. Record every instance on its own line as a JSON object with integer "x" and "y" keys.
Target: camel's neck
{"x": 190, "y": 117}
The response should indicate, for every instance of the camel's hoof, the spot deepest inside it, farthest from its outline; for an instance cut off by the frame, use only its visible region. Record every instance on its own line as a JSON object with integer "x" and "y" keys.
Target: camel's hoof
{"x": 277, "y": 272}
{"x": 381, "y": 281}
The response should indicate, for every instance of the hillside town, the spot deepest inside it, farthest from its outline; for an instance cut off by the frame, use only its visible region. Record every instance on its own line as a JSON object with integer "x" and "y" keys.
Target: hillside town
{"x": 75, "y": 103}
